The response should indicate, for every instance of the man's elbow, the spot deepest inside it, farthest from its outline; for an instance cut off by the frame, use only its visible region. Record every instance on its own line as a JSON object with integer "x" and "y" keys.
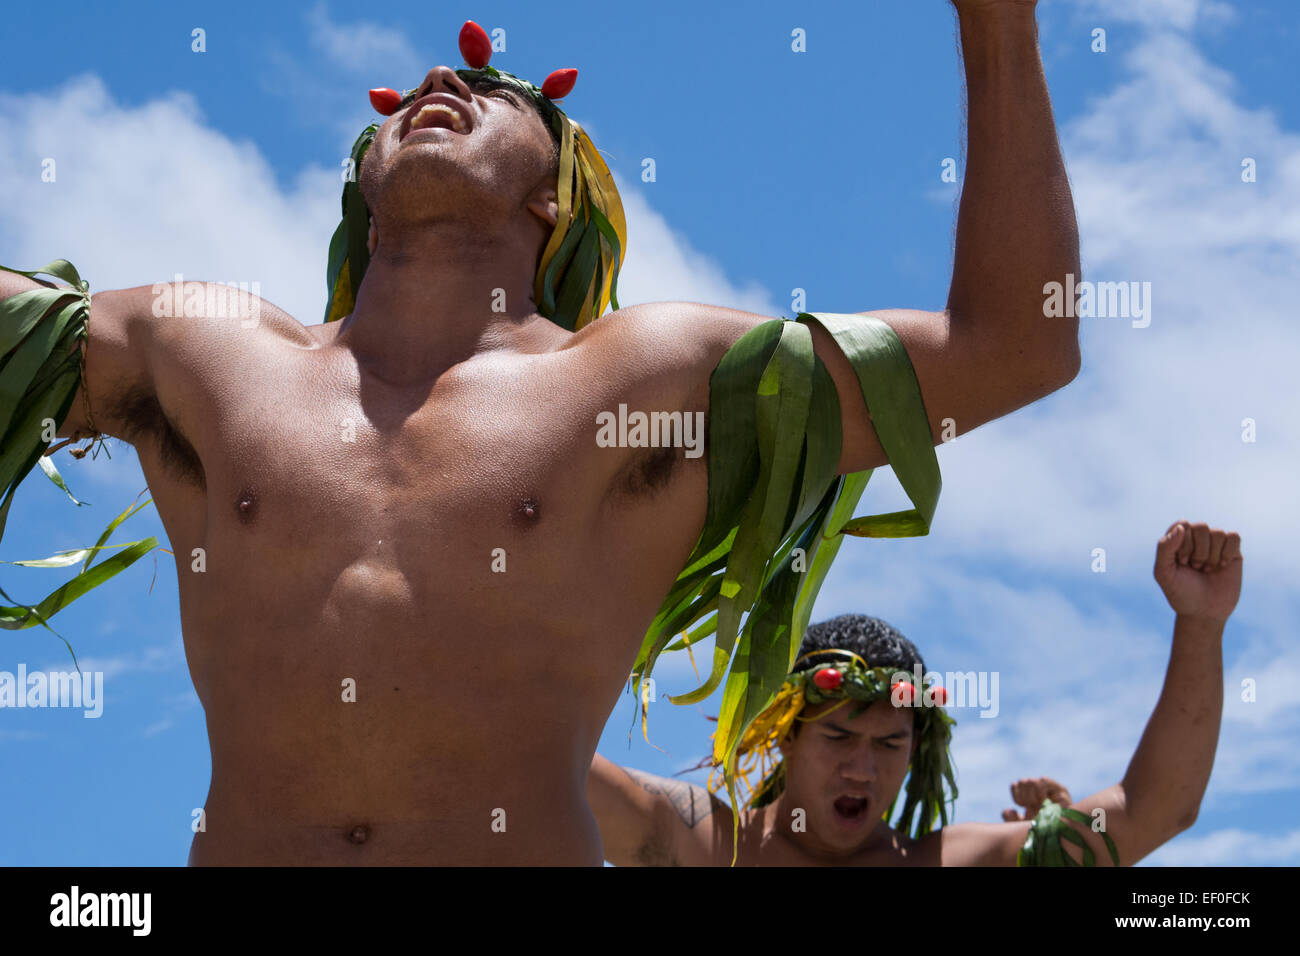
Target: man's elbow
{"x": 1058, "y": 348}
{"x": 1162, "y": 830}
{"x": 1066, "y": 363}
{"x": 1186, "y": 820}
{"x": 1035, "y": 361}
{"x": 1052, "y": 372}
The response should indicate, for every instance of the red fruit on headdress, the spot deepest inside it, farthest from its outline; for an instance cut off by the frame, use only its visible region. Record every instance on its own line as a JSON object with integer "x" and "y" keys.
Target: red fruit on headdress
{"x": 559, "y": 83}
{"x": 385, "y": 101}
{"x": 828, "y": 678}
{"x": 475, "y": 46}
{"x": 938, "y": 696}
{"x": 903, "y": 693}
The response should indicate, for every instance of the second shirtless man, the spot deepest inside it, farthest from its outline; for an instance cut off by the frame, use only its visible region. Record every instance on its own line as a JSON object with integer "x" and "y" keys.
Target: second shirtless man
{"x": 843, "y": 772}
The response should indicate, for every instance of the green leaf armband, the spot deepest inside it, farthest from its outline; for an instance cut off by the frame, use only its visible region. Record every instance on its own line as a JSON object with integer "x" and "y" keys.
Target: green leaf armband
{"x": 41, "y": 332}
{"x": 777, "y": 508}
{"x": 1052, "y": 825}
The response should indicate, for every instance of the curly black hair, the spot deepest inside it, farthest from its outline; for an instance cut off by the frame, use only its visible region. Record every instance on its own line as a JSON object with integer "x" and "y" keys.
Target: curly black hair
{"x": 875, "y": 641}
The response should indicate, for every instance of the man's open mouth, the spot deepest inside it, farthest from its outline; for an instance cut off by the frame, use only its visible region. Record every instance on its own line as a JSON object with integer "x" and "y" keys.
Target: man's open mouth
{"x": 849, "y": 808}
{"x": 438, "y": 111}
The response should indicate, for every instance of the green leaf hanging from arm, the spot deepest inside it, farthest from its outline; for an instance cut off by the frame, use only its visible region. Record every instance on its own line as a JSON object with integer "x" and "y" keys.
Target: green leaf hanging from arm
{"x": 893, "y": 397}
{"x": 40, "y": 372}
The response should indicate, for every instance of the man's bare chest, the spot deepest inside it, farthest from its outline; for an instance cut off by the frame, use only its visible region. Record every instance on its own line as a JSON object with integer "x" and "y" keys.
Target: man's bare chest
{"x": 306, "y": 447}
{"x": 312, "y": 451}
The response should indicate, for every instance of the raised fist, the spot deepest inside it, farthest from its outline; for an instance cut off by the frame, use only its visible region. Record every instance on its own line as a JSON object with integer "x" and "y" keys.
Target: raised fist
{"x": 1199, "y": 569}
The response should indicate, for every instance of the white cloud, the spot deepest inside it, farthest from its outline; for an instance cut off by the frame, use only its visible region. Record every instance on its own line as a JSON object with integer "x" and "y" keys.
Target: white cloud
{"x": 1177, "y": 14}
{"x": 144, "y": 192}
{"x": 157, "y": 727}
{"x": 363, "y": 48}
{"x": 157, "y": 657}
{"x": 662, "y": 265}
{"x": 1230, "y": 847}
{"x": 1151, "y": 431}
{"x": 330, "y": 88}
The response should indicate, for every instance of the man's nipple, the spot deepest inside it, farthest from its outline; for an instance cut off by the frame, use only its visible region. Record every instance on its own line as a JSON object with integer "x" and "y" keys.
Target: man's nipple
{"x": 246, "y": 505}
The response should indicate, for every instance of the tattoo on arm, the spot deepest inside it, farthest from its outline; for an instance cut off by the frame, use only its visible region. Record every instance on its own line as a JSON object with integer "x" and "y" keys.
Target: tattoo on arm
{"x": 693, "y": 804}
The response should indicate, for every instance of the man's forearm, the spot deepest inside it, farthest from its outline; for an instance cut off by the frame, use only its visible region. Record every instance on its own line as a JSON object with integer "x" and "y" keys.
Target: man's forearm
{"x": 1171, "y": 767}
{"x": 1016, "y": 229}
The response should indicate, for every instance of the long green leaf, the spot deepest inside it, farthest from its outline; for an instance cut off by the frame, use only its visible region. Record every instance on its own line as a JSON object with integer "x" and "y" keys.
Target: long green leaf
{"x": 16, "y": 618}
{"x": 112, "y": 526}
{"x": 893, "y": 398}
{"x": 65, "y": 559}
{"x": 52, "y": 473}
{"x": 781, "y": 415}
{"x": 39, "y": 377}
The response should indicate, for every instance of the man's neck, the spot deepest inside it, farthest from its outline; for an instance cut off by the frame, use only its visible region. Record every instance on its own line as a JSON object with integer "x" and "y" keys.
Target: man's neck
{"x": 430, "y": 302}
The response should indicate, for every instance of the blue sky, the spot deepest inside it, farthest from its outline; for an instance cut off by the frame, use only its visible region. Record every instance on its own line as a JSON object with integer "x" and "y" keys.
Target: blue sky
{"x": 775, "y": 170}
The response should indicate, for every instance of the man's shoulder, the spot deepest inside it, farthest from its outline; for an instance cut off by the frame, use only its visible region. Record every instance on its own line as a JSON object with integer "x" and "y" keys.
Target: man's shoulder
{"x": 671, "y": 326}
{"x": 185, "y": 310}
{"x": 669, "y": 342}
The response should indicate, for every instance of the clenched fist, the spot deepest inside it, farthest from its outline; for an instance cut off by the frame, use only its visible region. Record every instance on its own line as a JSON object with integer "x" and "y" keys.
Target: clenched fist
{"x": 1031, "y": 793}
{"x": 1199, "y": 569}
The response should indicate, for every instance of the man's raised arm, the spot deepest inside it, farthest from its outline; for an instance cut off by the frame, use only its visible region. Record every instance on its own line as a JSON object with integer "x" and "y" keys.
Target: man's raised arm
{"x": 1199, "y": 569}
{"x": 992, "y": 350}
{"x": 1016, "y": 229}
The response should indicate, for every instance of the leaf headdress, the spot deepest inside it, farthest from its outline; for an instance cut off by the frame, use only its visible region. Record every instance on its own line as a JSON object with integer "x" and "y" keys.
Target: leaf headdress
{"x": 577, "y": 277}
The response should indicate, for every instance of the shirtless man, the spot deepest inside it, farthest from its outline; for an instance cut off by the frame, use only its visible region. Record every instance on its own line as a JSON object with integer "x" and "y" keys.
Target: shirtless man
{"x": 845, "y": 771}
{"x": 480, "y": 696}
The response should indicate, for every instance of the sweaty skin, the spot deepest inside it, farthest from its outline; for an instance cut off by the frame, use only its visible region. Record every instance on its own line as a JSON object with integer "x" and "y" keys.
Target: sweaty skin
{"x": 377, "y": 689}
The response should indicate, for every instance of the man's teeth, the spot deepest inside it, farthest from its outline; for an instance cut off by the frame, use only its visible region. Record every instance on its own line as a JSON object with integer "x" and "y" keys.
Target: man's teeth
{"x": 424, "y": 118}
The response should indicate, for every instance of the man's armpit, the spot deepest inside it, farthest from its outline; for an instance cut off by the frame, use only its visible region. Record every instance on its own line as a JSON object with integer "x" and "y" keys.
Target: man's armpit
{"x": 680, "y": 813}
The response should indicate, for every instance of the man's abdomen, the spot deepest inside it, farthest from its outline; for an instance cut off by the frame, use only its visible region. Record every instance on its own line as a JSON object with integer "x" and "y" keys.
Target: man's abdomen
{"x": 534, "y": 829}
